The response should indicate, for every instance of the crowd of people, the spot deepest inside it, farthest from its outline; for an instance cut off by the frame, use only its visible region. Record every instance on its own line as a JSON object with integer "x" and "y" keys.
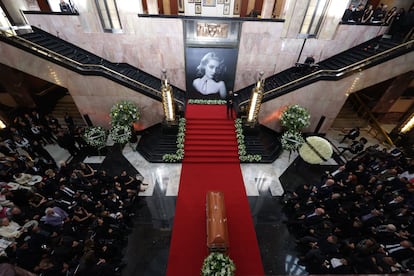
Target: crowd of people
{"x": 400, "y": 21}
{"x": 358, "y": 219}
{"x": 60, "y": 219}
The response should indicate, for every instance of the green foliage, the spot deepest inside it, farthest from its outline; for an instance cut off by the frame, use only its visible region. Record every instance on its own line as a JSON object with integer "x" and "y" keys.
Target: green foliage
{"x": 120, "y": 133}
{"x": 243, "y": 156}
{"x": 124, "y": 113}
{"x": 292, "y": 140}
{"x": 295, "y": 117}
{"x": 218, "y": 264}
{"x": 95, "y": 136}
{"x": 200, "y": 101}
{"x": 179, "y": 154}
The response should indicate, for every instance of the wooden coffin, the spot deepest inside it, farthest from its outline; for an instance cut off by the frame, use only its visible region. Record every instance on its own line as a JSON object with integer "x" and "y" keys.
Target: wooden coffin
{"x": 217, "y": 234}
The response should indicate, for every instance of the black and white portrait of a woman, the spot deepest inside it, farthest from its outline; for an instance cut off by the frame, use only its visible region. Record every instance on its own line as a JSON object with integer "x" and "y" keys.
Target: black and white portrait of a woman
{"x": 210, "y": 72}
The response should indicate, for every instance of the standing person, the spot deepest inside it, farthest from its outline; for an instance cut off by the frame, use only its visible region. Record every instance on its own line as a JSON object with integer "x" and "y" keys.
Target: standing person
{"x": 352, "y": 134}
{"x": 64, "y": 7}
{"x": 389, "y": 17}
{"x": 379, "y": 13}
{"x": 368, "y": 12}
{"x": 358, "y": 13}
{"x": 229, "y": 104}
{"x": 209, "y": 69}
{"x": 348, "y": 13}
{"x": 66, "y": 141}
{"x": 69, "y": 122}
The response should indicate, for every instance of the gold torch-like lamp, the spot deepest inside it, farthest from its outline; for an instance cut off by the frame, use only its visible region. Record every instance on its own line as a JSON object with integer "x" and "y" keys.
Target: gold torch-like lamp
{"x": 255, "y": 101}
{"x": 167, "y": 99}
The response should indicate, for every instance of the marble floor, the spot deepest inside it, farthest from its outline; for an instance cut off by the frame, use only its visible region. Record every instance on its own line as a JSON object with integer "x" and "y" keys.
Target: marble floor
{"x": 148, "y": 244}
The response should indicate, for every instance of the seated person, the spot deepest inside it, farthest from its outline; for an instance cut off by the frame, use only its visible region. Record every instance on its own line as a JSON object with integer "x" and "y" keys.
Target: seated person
{"x": 309, "y": 61}
{"x": 12, "y": 230}
{"x": 352, "y": 134}
{"x": 355, "y": 147}
{"x": 54, "y": 217}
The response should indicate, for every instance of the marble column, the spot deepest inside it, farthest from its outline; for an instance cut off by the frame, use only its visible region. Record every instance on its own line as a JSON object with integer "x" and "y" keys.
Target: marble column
{"x": 166, "y": 6}
{"x": 250, "y": 5}
{"x": 152, "y": 6}
{"x": 267, "y": 8}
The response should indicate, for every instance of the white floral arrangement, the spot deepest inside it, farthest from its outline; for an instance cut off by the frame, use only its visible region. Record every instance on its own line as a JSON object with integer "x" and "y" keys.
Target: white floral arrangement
{"x": 179, "y": 154}
{"x": 200, "y": 101}
{"x": 291, "y": 140}
{"x": 124, "y": 113}
{"x": 243, "y": 156}
{"x": 95, "y": 136}
{"x": 316, "y": 150}
{"x": 120, "y": 133}
{"x": 295, "y": 117}
{"x": 218, "y": 264}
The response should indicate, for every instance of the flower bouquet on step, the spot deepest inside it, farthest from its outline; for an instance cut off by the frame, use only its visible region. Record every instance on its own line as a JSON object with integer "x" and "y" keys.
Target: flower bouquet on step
{"x": 218, "y": 264}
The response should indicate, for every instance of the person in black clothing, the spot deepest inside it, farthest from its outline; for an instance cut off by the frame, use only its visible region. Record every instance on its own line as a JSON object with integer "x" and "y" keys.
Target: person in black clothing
{"x": 229, "y": 104}
{"x": 352, "y": 134}
{"x": 69, "y": 122}
{"x": 66, "y": 141}
{"x": 348, "y": 13}
{"x": 64, "y": 7}
{"x": 356, "y": 146}
{"x": 358, "y": 13}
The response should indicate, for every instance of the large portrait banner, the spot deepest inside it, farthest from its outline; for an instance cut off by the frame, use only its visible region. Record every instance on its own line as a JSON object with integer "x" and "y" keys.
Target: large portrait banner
{"x": 210, "y": 72}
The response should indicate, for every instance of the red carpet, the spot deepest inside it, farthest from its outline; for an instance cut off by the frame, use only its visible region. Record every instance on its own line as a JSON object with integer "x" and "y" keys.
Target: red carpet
{"x": 211, "y": 163}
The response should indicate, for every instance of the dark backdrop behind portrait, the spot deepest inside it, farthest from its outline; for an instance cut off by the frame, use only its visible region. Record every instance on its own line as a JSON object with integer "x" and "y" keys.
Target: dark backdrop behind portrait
{"x": 193, "y": 57}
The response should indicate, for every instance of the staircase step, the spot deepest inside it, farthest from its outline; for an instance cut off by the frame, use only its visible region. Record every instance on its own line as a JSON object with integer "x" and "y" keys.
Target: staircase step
{"x": 210, "y": 138}
{"x": 219, "y": 132}
{"x": 210, "y": 147}
{"x": 208, "y": 142}
{"x": 207, "y": 127}
{"x": 211, "y": 160}
{"x": 211, "y": 154}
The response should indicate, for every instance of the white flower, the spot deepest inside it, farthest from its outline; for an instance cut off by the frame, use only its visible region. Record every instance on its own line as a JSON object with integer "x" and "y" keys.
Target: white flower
{"x": 315, "y": 150}
{"x": 295, "y": 117}
{"x": 95, "y": 136}
{"x": 218, "y": 264}
{"x": 291, "y": 140}
{"x": 124, "y": 113}
{"x": 120, "y": 134}
{"x": 179, "y": 154}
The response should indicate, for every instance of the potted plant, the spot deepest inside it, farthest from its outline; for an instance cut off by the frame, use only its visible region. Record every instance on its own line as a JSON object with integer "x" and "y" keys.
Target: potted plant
{"x": 218, "y": 264}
